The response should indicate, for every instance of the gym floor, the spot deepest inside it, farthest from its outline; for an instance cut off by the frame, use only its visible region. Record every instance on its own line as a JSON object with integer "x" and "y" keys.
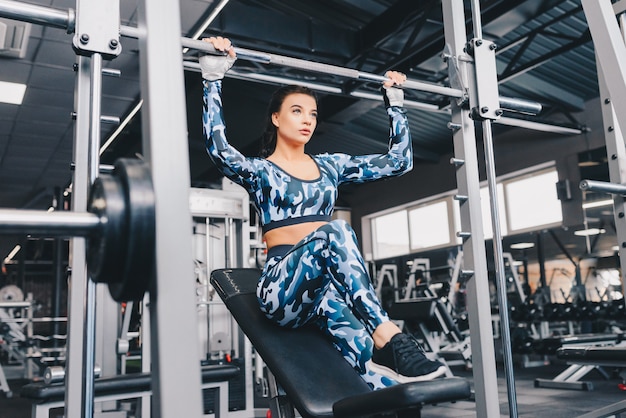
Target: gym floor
{"x": 531, "y": 401}
{"x": 539, "y": 402}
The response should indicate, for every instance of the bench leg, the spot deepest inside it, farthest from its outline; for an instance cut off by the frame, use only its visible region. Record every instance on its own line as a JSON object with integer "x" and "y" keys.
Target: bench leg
{"x": 280, "y": 406}
{"x": 221, "y": 411}
{"x": 42, "y": 410}
{"x": 4, "y": 385}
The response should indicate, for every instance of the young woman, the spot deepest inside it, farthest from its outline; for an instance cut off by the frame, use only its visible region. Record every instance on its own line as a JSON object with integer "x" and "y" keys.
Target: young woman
{"x": 314, "y": 271}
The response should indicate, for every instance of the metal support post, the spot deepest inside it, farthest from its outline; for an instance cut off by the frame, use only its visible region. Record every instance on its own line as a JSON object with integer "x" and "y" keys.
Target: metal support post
{"x": 75, "y": 381}
{"x": 603, "y": 25}
{"x": 97, "y": 23}
{"x": 59, "y": 273}
{"x": 474, "y": 253}
{"x": 610, "y": 51}
{"x": 175, "y": 384}
{"x": 484, "y": 106}
{"x": 146, "y": 359}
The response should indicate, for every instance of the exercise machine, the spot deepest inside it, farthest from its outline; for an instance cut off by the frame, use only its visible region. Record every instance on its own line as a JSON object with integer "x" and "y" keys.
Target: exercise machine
{"x": 595, "y": 357}
{"x": 315, "y": 378}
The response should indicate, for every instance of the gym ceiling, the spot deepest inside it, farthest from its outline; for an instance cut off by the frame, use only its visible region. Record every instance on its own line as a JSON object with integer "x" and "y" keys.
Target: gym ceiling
{"x": 545, "y": 54}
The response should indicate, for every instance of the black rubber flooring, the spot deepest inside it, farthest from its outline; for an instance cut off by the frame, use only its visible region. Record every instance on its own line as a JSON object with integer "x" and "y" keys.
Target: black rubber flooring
{"x": 540, "y": 402}
{"x": 531, "y": 401}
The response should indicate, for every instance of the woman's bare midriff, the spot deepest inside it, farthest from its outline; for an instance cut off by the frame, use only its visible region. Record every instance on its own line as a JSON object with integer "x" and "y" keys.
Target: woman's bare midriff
{"x": 290, "y": 234}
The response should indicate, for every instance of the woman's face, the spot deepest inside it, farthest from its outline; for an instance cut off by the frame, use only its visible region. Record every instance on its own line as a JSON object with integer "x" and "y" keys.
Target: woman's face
{"x": 297, "y": 118}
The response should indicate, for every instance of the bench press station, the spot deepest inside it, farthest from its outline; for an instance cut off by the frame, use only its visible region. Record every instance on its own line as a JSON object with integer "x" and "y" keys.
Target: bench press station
{"x": 316, "y": 380}
{"x": 598, "y": 356}
{"x": 571, "y": 377}
{"x": 46, "y": 396}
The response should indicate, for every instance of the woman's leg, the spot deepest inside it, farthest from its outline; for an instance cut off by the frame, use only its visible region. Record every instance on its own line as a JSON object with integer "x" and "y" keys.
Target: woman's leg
{"x": 324, "y": 280}
{"x": 293, "y": 287}
{"x": 349, "y": 336}
{"x": 294, "y": 290}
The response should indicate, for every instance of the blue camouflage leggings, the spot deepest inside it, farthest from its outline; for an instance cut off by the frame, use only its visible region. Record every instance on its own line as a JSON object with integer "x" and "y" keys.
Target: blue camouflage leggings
{"x": 323, "y": 280}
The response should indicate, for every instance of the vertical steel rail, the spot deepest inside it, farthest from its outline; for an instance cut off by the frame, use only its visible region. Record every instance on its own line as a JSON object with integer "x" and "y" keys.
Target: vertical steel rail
{"x": 75, "y": 380}
{"x": 59, "y": 274}
{"x": 176, "y": 385}
{"x": 612, "y": 53}
{"x": 474, "y": 252}
{"x": 89, "y": 117}
{"x": 611, "y": 65}
{"x": 505, "y": 332}
{"x": 89, "y": 346}
{"x": 498, "y": 258}
{"x": 146, "y": 352}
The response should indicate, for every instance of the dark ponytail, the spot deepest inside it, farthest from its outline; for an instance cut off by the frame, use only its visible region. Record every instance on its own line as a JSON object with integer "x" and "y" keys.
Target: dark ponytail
{"x": 268, "y": 139}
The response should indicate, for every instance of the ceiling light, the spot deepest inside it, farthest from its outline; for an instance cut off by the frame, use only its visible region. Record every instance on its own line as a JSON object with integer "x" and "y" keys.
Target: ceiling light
{"x": 12, "y": 93}
{"x": 588, "y": 163}
{"x": 597, "y": 203}
{"x": 589, "y": 232}
{"x": 522, "y": 245}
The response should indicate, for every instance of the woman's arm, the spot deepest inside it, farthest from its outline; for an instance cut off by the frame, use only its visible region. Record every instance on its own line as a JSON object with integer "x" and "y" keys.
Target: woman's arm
{"x": 397, "y": 161}
{"x": 230, "y": 162}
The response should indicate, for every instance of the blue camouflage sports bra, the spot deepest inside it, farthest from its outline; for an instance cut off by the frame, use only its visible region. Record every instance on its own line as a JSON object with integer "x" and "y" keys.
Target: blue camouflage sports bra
{"x": 282, "y": 199}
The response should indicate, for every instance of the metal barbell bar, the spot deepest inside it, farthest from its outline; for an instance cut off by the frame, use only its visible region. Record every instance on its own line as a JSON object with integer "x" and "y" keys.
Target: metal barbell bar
{"x": 119, "y": 227}
{"x": 65, "y": 20}
{"x": 512, "y": 104}
{"x": 602, "y": 187}
{"x": 51, "y": 224}
{"x": 39, "y": 15}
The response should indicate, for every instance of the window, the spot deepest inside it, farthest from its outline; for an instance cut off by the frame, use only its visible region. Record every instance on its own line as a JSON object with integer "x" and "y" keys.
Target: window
{"x": 391, "y": 235}
{"x": 429, "y": 225}
{"x": 527, "y": 201}
{"x": 532, "y": 201}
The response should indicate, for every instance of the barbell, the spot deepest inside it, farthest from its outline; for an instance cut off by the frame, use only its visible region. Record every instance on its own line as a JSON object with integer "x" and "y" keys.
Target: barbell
{"x": 119, "y": 226}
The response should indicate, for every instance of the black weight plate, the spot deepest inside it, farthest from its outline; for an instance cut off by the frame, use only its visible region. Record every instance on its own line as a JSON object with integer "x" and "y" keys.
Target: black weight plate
{"x": 108, "y": 245}
{"x": 138, "y": 263}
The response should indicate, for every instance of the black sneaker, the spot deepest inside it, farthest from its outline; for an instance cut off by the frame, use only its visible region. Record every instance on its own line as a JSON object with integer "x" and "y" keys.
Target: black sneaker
{"x": 403, "y": 360}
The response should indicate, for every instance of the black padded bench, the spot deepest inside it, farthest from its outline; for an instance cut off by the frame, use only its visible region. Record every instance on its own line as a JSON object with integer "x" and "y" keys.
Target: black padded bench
{"x": 603, "y": 356}
{"x": 597, "y": 356}
{"x": 570, "y": 378}
{"x": 129, "y": 386}
{"x": 313, "y": 374}
{"x": 550, "y": 345}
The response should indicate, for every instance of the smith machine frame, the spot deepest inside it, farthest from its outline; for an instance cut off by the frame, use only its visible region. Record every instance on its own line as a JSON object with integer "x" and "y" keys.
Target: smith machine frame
{"x": 474, "y": 97}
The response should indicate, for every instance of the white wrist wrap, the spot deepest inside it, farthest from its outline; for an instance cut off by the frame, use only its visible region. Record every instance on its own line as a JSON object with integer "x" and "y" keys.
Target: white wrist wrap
{"x": 394, "y": 96}
{"x": 215, "y": 66}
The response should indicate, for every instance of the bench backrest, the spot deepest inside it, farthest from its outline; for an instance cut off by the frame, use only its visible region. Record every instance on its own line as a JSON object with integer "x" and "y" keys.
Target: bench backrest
{"x": 310, "y": 370}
